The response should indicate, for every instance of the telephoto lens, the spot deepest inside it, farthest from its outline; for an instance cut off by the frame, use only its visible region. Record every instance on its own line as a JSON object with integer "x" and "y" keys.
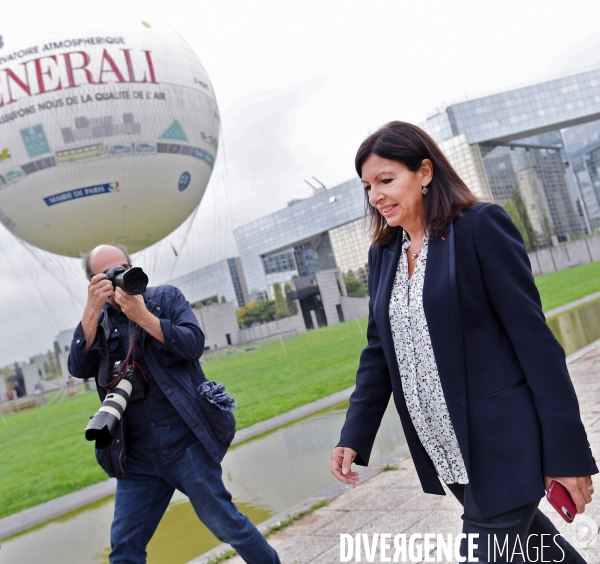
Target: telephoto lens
{"x": 104, "y": 423}
{"x": 133, "y": 280}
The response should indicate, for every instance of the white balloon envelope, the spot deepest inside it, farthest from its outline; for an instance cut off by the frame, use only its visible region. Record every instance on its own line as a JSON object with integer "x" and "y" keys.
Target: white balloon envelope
{"x": 107, "y": 133}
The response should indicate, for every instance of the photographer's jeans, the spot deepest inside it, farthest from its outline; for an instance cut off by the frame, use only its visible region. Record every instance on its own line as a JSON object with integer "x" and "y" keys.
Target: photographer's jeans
{"x": 143, "y": 498}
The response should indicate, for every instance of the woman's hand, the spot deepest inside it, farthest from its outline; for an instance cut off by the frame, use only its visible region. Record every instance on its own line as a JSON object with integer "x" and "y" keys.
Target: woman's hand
{"x": 341, "y": 465}
{"x": 577, "y": 486}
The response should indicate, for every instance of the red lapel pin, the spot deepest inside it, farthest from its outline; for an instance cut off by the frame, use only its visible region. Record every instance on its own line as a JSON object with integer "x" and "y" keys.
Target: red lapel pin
{"x": 443, "y": 238}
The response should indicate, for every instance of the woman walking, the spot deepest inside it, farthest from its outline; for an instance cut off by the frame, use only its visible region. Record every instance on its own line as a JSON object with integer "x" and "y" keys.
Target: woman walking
{"x": 456, "y": 332}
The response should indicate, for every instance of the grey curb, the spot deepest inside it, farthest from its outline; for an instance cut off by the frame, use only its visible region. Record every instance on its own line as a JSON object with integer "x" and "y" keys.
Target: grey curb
{"x": 582, "y": 352}
{"x": 328, "y": 493}
{"x": 43, "y": 512}
{"x": 291, "y": 416}
{"x": 572, "y": 305}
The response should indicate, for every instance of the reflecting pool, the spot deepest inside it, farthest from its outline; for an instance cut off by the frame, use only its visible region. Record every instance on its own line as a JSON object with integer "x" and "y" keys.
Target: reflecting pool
{"x": 266, "y": 475}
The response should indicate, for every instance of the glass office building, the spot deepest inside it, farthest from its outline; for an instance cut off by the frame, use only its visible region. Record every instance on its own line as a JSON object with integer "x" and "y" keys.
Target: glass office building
{"x": 324, "y": 231}
{"x": 541, "y": 140}
{"x": 223, "y": 279}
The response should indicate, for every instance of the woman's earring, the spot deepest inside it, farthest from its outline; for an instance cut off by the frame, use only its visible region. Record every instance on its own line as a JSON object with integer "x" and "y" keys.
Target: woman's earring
{"x": 424, "y": 190}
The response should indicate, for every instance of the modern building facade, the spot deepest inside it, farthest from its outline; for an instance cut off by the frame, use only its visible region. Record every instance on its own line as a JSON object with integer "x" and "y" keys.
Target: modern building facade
{"x": 219, "y": 325}
{"x": 323, "y": 232}
{"x": 212, "y": 283}
{"x": 541, "y": 140}
{"x": 3, "y": 396}
{"x": 63, "y": 339}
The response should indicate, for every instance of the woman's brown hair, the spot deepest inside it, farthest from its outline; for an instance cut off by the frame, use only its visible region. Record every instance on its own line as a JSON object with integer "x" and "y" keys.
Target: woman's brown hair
{"x": 448, "y": 195}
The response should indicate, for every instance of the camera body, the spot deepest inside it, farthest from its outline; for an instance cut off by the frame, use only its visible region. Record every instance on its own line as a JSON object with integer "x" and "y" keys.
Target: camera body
{"x": 131, "y": 280}
{"x": 132, "y": 375}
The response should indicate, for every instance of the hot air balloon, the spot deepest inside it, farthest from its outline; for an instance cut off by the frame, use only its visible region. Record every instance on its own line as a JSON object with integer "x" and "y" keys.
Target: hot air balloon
{"x": 108, "y": 132}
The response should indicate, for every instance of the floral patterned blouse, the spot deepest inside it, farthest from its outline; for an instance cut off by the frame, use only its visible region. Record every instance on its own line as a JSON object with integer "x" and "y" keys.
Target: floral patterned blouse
{"x": 418, "y": 370}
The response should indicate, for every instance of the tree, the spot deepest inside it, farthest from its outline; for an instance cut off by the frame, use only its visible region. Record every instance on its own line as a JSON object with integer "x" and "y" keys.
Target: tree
{"x": 531, "y": 234}
{"x": 51, "y": 363}
{"x": 512, "y": 210}
{"x": 354, "y": 287}
{"x": 291, "y": 303}
{"x": 547, "y": 230}
{"x": 223, "y": 300}
{"x": 57, "y": 353}
{"x": 281, "y": 304}
{"x": 256, "y": 312}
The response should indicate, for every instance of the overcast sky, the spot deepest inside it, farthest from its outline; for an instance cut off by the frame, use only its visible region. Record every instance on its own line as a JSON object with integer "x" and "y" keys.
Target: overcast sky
{"x": 299, "y": 86}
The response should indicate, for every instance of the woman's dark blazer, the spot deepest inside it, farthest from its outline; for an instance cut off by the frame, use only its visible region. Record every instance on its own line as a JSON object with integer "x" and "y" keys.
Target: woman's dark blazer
{"x": 503, "y": 373}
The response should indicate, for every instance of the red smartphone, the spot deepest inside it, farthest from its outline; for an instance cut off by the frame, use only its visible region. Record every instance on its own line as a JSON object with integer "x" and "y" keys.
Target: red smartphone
{"x": 561, "y": 500}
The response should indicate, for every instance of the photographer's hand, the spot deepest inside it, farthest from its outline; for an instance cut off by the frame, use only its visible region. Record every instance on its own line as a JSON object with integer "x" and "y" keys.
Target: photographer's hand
{"x": 99, "y": 290}
{"x": 135, "y": 309}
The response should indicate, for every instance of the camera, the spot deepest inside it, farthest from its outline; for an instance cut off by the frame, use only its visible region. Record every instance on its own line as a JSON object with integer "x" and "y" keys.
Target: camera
{"x": 130, "y": 386}
{"x": 133, "y": 280}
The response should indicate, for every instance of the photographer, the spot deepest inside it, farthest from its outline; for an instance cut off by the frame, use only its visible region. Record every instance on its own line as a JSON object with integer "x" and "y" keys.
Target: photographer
{"x": 176, "y": 434}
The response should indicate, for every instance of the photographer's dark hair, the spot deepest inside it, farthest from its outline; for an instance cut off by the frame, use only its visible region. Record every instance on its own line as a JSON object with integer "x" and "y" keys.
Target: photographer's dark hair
{"x": 403, "y": 142}
{"x": 85, "y": 258}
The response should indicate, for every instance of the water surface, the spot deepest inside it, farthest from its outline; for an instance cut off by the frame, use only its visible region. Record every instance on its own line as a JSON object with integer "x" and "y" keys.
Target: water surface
{"x": 578, "y": 327}
{"x": 266, "y": 475}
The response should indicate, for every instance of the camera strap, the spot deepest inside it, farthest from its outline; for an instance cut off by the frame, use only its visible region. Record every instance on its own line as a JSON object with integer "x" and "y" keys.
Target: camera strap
{"x": 134, "y": 335}
{"x": 131, "y": 360}
{"x": 105, "y": 369}
{"x": 103, "y": 333}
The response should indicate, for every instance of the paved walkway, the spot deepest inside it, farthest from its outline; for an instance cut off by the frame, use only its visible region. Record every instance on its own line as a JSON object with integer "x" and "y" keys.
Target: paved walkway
{"x": 393, "y": 502}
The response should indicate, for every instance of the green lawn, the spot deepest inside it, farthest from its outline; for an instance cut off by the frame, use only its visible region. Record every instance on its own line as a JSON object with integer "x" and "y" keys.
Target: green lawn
{"x": 44, "y": 454}
{"x": 268, "y": 382}
{"x": 559, "y": 288}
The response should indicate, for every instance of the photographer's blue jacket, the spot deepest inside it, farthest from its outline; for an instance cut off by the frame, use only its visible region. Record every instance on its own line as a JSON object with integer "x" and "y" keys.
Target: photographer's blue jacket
{"x": 174, "y": 366}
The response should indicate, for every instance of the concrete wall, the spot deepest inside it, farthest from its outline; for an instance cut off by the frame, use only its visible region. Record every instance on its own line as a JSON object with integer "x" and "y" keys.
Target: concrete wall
{"x": 32, "y": 374}
{"x": 2, "y": 389}
{"x": 331, "y": 286}
{"x": 63, "y": 358}
{"x": 552, "y": 259}
{"x": 354, "y": 308}
{"x": 55, "y": 384}
{"x": 278, "y": 327}
{"x": 218, "y": 321}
